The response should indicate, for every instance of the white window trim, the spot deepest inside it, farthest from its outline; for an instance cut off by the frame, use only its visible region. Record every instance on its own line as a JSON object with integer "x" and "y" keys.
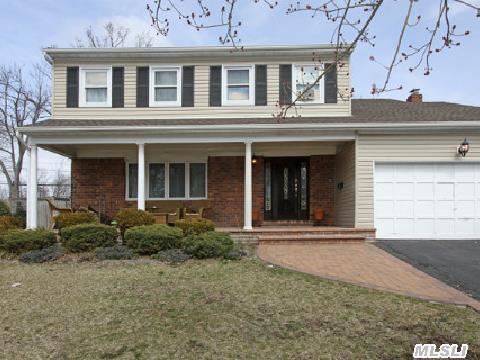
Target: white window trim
{"x": 321, "y": 84}
{"x": 167, "y": 180}
{"x": 251, "y": 85}
{"x": 82, "y": 89}
{"x": 152, "y": 101}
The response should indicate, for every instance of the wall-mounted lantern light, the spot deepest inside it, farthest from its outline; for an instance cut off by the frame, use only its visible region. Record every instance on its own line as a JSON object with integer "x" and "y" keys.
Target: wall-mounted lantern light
{"x": 463, "y": 148}
{"x": 340, "y": 186}
{"x": 254, "y": 159}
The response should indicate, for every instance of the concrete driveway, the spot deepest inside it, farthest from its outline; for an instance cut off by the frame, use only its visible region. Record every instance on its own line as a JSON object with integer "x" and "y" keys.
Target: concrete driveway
{"x": 455, "y": 262}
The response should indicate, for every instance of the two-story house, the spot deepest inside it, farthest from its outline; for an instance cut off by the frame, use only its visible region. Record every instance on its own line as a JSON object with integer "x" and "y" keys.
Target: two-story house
{"x": 195, "y": 127}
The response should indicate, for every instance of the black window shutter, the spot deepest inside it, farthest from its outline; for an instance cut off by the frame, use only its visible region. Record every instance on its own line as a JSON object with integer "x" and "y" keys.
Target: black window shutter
{"x": 72, "y": 86}
{"x": 215, "y": 86}
{"x": 285, "y": 90}
{"x": 260, "y": 85}
{"x": 330, "y": 83}
{"x": 188, "y": 86}
{"x": 143, "y": 85}
{"x": 117, "y": 87}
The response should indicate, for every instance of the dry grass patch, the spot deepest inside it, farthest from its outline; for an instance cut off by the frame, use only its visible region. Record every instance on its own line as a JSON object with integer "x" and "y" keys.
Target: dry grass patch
{"x": 211, "y": 309}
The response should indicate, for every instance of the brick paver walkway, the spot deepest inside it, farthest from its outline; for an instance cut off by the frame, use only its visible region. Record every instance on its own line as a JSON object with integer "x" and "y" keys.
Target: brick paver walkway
{"x": 363, "y": 264}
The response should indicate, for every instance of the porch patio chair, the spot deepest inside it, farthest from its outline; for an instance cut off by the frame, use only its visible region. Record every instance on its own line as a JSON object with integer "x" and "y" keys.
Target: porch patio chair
{"x": 173, "y": 217}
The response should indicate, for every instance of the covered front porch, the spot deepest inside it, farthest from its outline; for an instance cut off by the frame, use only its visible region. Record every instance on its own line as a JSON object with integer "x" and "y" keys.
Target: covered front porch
{"x": 241, "y": 182}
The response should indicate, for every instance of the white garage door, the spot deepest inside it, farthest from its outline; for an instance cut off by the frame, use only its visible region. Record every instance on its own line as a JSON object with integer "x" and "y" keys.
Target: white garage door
{"x": 429, "y": 201}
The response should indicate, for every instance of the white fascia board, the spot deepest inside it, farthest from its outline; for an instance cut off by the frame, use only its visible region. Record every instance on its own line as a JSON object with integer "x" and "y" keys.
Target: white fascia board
{"x": 254, "y": 127}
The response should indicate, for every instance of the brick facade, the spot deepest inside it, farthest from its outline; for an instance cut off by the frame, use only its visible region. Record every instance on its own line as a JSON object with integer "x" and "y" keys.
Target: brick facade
{"x": 100, "y": 183}
{"x": 322, "y": 186}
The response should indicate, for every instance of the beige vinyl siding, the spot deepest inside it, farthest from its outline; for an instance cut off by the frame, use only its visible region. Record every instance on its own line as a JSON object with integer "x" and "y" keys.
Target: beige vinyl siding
{"x": 418, "y": 147}
{"x": 345, "y": 173}
{"x": 201, "y": 95}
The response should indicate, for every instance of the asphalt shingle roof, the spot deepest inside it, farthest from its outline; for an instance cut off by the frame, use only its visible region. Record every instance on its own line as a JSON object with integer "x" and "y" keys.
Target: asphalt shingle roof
{"x": 364, "y": 111}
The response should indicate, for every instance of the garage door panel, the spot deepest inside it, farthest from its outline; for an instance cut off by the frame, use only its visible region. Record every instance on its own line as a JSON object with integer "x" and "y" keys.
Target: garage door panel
{"x": 425, "y": 209}
{"x": 445, "y": 191}
{"x": 464, "y": 190}
{"x": 403, "y": 190}
{"x": 427, "y": 200}
{"x": 445, "y": 209}
{"x": 405, "y": 226}
{"x": 384, "y": 191}
{"x": 404, "y": 209}
{"x": 385, "y": 208}
{"x": 424, "y": 191}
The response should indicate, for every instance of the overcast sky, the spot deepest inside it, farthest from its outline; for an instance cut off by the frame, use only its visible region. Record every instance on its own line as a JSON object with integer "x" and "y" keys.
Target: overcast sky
{"x": 30, "y": 25}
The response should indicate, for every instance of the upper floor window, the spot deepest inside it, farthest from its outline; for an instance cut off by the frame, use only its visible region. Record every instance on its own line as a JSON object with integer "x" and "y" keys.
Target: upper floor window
{"x": 303, "y": 77}
{"x": 165, "y": 89}
{"x": 238, "y": 85}
{"x": 96, "y": 86}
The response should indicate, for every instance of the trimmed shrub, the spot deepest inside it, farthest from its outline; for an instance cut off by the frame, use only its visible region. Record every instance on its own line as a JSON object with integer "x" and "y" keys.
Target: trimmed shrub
{"x": 172, "y": 256}
{"x": 195, "y": 226}
{"x": 151, "y": 239}
{"x": 4, "y": 208}
{"x": 9, "y": 222}
{"x": 18, "y": 241}
{"x": 116, "y": 252}
{"x": 71, "y": 219}
{"x": 87, "y": 237}
{"x": 234, "y": 254}
{"x": 208, "y": 245}
{"x": 127, "y": 218}
{"x": 50, "y": 253}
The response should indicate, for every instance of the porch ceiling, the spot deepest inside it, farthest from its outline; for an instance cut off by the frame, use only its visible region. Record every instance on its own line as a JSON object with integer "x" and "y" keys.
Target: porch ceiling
{"x": 191, "y": 151}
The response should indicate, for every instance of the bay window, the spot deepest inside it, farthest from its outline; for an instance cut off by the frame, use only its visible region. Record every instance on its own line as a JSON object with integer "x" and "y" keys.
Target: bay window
{"x": 238, "y": 85}
{"x": 169, "y": 180}
{"x": 96, "y": 86}
{"x": 165, "y": 89}
{"x": 303, "y": 77}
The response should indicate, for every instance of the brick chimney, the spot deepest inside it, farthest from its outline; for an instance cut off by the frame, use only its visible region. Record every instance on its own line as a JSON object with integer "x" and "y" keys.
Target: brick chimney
{"x": 415, "y": 96}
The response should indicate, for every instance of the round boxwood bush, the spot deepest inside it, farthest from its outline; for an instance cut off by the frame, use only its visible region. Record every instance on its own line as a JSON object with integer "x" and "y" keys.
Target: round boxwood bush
{"x": 18, "y": 241}
{"x": 195, "y": 226}
{"x": 70, "y": 219}
{"x": 116, "y": 252}
{"x": 150, "y": 239}
{"x": 9, "y": 222}
{"x": 208, "y": 245}
{"x": 87, "y": 237}
{"x": 127, "y": 218}
{"x": 50, "y": 253}
{"x": 4, "y": 208}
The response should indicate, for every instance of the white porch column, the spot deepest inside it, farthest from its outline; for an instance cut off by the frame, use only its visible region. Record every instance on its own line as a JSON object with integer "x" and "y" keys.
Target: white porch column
{"x": 141, "y": 176}
{"x": 32, "y": 189}
{"x": 248, "y": 187}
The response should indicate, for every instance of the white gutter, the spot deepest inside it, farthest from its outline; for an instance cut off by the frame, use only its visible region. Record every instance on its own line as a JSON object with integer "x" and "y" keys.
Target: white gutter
{"x": 254, "y": 127}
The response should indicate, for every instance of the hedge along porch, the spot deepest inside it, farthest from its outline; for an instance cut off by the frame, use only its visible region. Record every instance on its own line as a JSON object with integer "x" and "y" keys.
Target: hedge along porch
{"x": 242, "y": 182}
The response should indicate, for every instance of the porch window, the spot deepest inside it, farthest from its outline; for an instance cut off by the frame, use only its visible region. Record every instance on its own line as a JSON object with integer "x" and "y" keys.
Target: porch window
{"x": 197, "y": 180}
{"x": 303, "y": 77}
{"x": 96, "y": 87}
{"x": 132, "y": 181}
{"x": 165, "y": 86}
{"x": 177, "y": 180}
{"x": 238, "y": 85}
{"x": 156, "y": 181}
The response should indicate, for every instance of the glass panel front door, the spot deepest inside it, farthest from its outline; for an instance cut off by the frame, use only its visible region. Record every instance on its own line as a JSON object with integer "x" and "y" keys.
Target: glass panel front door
{"x": 286, "y": 188}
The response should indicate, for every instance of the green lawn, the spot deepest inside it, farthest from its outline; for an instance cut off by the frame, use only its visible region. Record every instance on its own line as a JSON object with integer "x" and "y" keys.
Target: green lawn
{"x": 211, "y": 309}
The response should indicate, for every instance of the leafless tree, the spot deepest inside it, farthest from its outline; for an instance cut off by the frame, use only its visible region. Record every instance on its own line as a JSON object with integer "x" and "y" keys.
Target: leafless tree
{"x": 61, "y": 185}
{"x": 351, "y": 22}
{"x": 113, "y": 36}
{"x": 24, "y": 100}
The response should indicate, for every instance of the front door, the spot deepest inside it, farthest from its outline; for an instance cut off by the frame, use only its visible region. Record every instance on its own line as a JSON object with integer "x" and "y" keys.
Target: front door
{"x": 286, "y": 188}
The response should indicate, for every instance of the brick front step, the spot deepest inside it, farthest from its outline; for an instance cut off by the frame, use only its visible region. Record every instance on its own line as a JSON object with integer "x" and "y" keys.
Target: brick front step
{"x": 296, "y": 234}
{"x": 309, "y": 238}
{"x": 287, "y": 222}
